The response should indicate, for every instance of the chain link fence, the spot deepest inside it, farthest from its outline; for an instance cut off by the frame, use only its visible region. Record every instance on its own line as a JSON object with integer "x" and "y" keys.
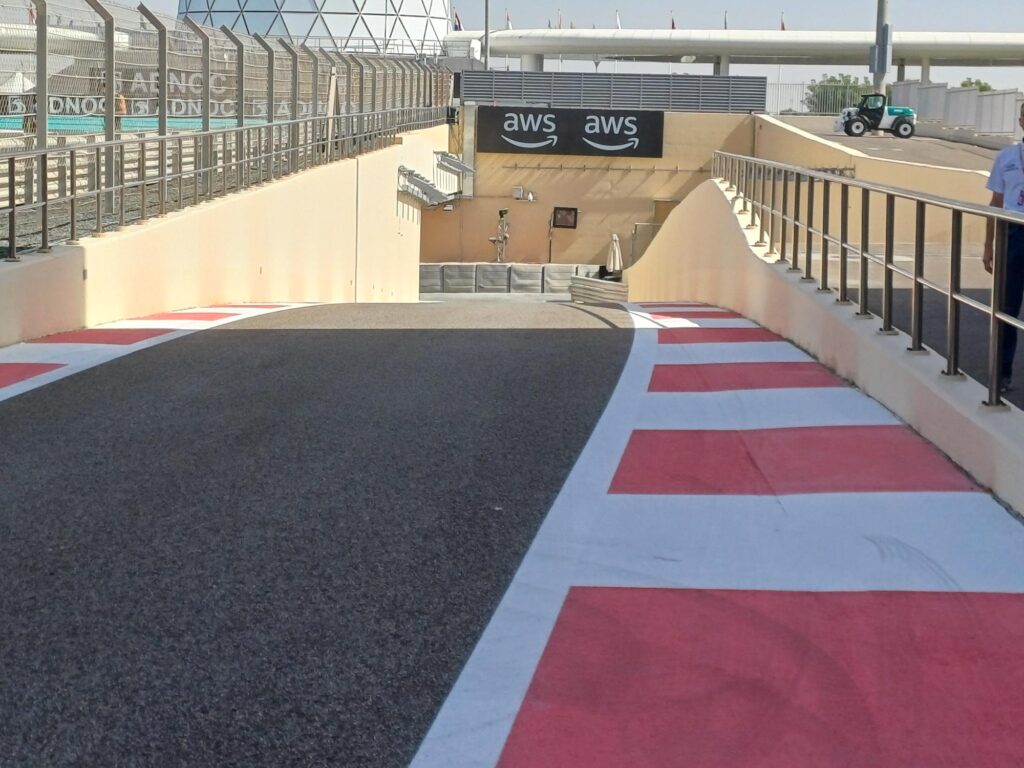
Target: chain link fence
{"x": 89, "y": 41}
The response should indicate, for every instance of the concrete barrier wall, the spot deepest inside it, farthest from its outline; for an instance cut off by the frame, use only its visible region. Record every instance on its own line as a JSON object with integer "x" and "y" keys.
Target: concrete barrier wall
{"x": 341, "y": 232}
{"x": 703, "y": 254}
{"x": 611, "y": 193}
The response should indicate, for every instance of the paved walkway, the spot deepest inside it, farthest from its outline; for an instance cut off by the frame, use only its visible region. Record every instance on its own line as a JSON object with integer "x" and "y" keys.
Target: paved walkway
{"x": 750, "y": 564}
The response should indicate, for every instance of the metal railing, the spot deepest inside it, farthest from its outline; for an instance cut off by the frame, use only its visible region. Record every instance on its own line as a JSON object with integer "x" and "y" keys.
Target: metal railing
{"x": 108, "y": 185}
{"x": 790, "y": 205}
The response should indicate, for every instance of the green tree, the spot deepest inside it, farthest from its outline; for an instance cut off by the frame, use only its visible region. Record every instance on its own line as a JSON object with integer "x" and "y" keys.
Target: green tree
{"x": 981, "y": 85}
{"x": 833, "y": 93}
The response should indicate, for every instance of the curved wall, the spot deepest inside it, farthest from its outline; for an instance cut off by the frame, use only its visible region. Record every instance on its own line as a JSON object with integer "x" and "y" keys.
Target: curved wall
{"x": 703, "y": 253}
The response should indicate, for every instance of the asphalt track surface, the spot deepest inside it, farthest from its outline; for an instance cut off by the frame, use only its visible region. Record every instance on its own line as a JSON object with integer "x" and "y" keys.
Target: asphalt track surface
{"x": 919, "y": 149}
{"x": 277, "y": 542}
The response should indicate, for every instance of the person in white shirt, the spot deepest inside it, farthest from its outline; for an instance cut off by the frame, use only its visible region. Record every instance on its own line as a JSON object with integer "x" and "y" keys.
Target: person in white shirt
{"x": 1006, "y": 183}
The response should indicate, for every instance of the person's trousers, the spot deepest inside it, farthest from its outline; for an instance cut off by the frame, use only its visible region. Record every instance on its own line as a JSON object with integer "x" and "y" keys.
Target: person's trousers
{"x": 1013, "y": 295}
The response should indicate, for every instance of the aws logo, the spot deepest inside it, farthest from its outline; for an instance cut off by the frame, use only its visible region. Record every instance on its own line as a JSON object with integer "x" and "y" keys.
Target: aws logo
{"x": 518, "y": 122}
{"x": 591, "y": 132}
{"x": 604, "y": 132}
{"x": 615, "y": 129}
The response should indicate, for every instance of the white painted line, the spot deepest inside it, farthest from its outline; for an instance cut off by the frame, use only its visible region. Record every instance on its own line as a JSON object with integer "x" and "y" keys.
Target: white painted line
{"x": 760, "y": 409}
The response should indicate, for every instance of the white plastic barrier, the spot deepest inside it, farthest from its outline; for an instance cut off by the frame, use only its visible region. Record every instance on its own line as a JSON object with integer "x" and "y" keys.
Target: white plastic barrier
{"x": 961, "y": 107}
{"x": 998, "y": 112}
{"x": 902, "y": 93}
{"x": 931, "y": 100}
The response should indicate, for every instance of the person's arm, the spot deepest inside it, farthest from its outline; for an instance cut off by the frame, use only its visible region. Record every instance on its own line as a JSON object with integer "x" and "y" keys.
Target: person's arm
{"x": 986, "y": 259}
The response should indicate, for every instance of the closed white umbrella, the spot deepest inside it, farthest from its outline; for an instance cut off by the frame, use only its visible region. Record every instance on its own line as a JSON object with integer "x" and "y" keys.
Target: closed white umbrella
{"x": 614, "y": 263}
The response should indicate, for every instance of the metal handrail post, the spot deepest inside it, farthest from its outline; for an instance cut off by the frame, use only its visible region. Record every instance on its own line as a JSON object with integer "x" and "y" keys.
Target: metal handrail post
{"x": 795, "y": 259}
{"x": 995, "y": 325}
{"x": 865, "y": 235}
{"x": 293, "y": 132}
{"x": 890, "y": 259}
{"x": 12, "y": 214}
{"x": 953, "y": 304}
{"x": 826, "y": 210}
{"x": 314, "y": 111}
{"x": 161, "y": 97}
{"x": 844, "y": 244}
{"x": 809, "y": 233}
{"x": 784, "y": 225}
{"x": 74, "y": 199}
{"x": 762, "y": 194}
{"x": 917, "y": 291}
{"x": 772, "y": 219}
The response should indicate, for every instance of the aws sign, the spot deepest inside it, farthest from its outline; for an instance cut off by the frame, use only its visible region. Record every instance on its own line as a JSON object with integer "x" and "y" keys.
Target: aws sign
{"x": 600, "y": 132}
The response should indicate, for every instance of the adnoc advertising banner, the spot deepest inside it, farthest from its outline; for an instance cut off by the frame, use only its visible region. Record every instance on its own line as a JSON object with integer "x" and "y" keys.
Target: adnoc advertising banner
{"x": 593, "y": 132}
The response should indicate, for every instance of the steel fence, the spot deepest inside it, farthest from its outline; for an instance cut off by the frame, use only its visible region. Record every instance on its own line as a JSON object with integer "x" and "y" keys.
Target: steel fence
{"x": 101, "y": 74}
{"x": 818, "y": 222}
{"x": 87, "y": 187}
{"x": 812, "y": 98}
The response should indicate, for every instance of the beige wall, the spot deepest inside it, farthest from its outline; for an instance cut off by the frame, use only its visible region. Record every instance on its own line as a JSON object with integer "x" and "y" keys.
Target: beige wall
{"x": 341, "y": 232}
{"x": 704, "y": 254}
{"x": 784, "y": 143}
{"x": 612, "y": 194}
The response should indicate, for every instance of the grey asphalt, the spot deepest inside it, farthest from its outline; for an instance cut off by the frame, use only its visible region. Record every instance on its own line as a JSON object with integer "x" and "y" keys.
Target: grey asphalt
{"x": 277, "y": 542}
{"x": 919, "y": 149}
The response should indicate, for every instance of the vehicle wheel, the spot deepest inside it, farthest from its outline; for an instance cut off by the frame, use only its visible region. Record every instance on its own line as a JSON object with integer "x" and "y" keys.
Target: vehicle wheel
{"x": 846, "y": 130}
{"x": 903, "y": 128}
{"x": 858, "y": 126}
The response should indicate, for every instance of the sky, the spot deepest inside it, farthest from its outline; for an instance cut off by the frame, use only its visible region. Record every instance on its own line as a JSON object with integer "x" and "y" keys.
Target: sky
{"x": 905, "y": 15}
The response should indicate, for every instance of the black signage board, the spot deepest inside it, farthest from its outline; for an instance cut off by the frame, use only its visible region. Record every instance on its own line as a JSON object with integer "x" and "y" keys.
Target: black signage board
{"x": 592, "y": 132}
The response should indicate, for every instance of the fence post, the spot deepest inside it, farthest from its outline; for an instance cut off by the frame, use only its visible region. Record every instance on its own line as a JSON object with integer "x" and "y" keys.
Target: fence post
{"x": 293, "y": 131}
{"x": 42, "y": 117}
{"x": 270, "y": 101}
{"x": 162, "y": 103}
{"x": 109, "y": 97}
{"x": 239, "y": 74}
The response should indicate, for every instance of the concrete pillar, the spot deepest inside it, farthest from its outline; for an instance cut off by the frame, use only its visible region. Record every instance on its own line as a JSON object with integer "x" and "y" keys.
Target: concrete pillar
{"x": 721, "y": 66}
{"x": 901, "y": 71}
{"x": 531, "y": 62}
{"x": 926, "y": 70}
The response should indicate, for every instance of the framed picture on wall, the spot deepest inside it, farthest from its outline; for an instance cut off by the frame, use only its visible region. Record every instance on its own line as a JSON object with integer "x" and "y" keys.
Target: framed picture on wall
{"x": 564, "y": 218}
